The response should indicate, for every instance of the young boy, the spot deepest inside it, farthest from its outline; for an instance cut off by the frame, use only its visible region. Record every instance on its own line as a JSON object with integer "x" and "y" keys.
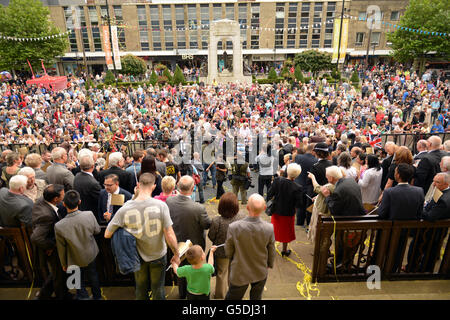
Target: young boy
{"x": 76, "y": 244}
{"x": 197, "y": 274}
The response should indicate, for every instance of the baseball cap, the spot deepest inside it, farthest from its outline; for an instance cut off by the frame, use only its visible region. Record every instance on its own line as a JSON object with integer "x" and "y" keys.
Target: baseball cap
{"x": 321, "y": 146}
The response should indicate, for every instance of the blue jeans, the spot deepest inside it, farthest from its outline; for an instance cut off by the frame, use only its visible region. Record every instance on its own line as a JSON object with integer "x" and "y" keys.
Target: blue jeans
{"x": 151, "y": 277}
{"x": 213, "y": 174}
{"x": 89, "y": 272}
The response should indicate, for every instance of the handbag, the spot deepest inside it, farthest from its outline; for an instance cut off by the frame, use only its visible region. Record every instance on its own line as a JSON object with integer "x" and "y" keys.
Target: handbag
{"x": 270, "y": 208}
{"x": 195, "y": 176}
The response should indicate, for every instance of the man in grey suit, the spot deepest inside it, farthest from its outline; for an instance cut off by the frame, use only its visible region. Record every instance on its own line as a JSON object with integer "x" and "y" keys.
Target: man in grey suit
{"x": 15, "y": 207}
{"x": 250, "y": 245}
{"x": 57, "y": 173}
{"x": 76, "y": 243}
{"x": 189, "y": 218}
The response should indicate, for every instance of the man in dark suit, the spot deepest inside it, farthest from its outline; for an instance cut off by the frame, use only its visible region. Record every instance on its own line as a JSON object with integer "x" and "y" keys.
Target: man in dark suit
{"x": 390, "y": 148}
{"x": 87, "y": 186}
{"x": 434, "y": 210}
{"x": 190, "y": 220}
{"x": 106, "y": 210}
{"x": 422, "y": 148}
{"x": 116, "y": 163}
{"x": 306, "y": 162}
{"x": 402, "y": 202}
{"x": 429, "y": 165}
{"x": 45, "y": 216}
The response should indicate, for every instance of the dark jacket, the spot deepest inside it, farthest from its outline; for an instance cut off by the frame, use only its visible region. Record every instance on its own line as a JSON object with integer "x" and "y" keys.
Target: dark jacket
{"x": 402, "y": 202}
{"x": 319, "y": 169}
{"x": 346, "y": 199}
{"x": 306, "y": 161}
{"x": 190, "y": 219}
{"x": 427, "y": 169}
{"x": 438, "y": 210}
{"x": 89, "y": 190}
{"x": 123, "y": 246}
{"x": 103, "y": 202}
{"x": 287, "y": 196}
{"x": 125, "y": 178}
{"x": 385, "y": 166}
{"x": 44, "y": 219}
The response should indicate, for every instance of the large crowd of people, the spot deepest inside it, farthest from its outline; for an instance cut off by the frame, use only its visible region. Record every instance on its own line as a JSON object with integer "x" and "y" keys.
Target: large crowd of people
{"x": 315, "y": 149}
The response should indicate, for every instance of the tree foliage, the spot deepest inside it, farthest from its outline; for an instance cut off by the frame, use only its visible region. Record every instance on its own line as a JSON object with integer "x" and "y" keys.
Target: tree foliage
{"x": 272, "y": 74}
{"x": 354, "y": 78}
{"x": 109, "y": 78}
{"x": 153, "y": 78}
{"x": 28, "y": 19}
{"x": 167, "y": 75}
{"x": 132, "y": 65}
{"x": 299, "y": 74}
{"x": 426, "y": 15}
{"x": 313, "y": 60}
{"x": 178, "y": 76}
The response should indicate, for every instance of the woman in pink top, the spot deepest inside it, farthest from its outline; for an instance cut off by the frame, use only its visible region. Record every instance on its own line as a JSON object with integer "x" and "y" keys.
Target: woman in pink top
{"x": 168, "y": 188}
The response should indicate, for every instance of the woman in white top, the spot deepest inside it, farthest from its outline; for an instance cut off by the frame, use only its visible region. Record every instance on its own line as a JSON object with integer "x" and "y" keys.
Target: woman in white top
{"x": 344, "y": 162}
{"x": 370, "y": 181}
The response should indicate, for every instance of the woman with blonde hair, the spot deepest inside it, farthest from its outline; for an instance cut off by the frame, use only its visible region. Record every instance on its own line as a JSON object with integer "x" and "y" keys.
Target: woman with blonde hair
{"x": 168, "y": 188}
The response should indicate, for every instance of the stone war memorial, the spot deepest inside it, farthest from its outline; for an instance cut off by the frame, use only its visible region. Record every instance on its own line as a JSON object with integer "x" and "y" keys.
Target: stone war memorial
{"x": 224, "y": 71}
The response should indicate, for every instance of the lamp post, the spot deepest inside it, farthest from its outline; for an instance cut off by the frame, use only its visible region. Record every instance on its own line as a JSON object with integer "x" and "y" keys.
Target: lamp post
{"x": 340, "y": 37}
{"x": 368, "y": 42}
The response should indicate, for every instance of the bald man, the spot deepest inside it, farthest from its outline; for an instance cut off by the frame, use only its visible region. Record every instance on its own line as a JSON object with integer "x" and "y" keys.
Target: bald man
{"x": 429, "y": 165}
{"x": 250, "y": 245}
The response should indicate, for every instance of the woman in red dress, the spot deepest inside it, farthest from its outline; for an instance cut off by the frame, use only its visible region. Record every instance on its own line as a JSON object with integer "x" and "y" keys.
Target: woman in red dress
{"x": 287, "y": 196}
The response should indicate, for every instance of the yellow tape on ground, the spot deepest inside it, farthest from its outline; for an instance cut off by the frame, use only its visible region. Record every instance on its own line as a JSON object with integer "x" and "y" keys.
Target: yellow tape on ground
{"x": 334, "y": 251}
{"x": 305, "y": 287}
{"x": 32, "y": 270}
{"x": 103, "y": 296}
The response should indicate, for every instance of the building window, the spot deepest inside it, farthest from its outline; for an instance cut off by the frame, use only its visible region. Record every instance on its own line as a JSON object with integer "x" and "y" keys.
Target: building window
{"x": 303, "y": 40}
{"x": 328, "y": 40}
{"x": 359, "y": 38}
{"x": 120, "y": 30}
{"x": 229, "y": 11}
{"x": 70, "y": 26}
{"x": 395, "y": 15}
{"x": 279, "y": 25}
{"x": 84, "y": 32}
{"x": 93, "y": 17}
{"x": 192, "y": 23}
{"x": 254, "y": 35}
{"x": 156, "y": 31}
{"x": 143, "y": 32}
{"x": 180, "y": 25}
{"x": 305, "y": 7}
{"x": 362, "y": 15}
{"x": 96, "y": 38}
{"x": 242, "y": 18}
{"x": 217, "y": 11}
{"x": 375, "y": 39}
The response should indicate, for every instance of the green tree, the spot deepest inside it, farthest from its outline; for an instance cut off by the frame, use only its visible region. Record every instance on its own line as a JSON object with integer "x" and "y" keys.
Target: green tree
{"x": 313, "y": 60}
{"x": 272, "y": 74}
{"x": 28, "y": 19}
{"x": 132, "y": 65}
{"x": 354, "y": 78}
{"x": 167, "y": 75}
{"x": 153, "y": 78}
{"x": 426, "y": 15}
{"x": 299, "y": 74}
{"x": 178, "y": 76}
{"x": 109, "y": 78}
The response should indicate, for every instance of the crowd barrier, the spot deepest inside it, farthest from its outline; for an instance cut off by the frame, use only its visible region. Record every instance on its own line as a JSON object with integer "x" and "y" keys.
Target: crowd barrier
{"x": 400, "y": 249}
{"x": 402, "y": 139}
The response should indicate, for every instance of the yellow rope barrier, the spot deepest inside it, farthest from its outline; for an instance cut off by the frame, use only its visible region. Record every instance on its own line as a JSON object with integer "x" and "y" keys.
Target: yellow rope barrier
{"x": 32, "y": 269}
{"x": 305, "y": 287}
{"x": 334, "y": 251}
